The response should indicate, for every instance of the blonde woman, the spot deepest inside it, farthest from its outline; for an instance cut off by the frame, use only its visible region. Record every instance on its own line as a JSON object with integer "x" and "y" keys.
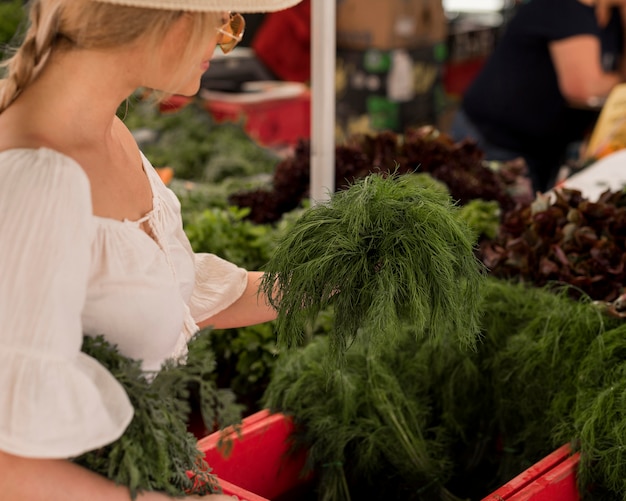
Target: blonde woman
{"x": 90, "y": 240}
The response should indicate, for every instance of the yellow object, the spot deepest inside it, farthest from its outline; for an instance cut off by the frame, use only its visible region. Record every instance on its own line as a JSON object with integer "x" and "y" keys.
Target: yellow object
{"x": 609, "y": 133}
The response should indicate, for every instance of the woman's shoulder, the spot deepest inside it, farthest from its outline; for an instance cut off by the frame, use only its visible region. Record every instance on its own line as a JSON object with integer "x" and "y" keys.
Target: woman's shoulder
{"x": 41, "y": 164}
{"x": 42, "y": 180}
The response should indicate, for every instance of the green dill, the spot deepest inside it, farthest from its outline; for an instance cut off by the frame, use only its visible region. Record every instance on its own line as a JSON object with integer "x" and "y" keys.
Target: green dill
{"x": 424, "y": 420}
{"x": 384, "y": 251}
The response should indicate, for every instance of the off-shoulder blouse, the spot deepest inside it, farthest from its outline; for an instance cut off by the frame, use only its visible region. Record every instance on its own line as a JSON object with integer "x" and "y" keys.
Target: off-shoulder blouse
{"x": 65, "y": 272}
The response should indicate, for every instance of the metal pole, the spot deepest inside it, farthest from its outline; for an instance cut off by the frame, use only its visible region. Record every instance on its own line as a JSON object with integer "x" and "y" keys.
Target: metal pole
{"x": 323, "y": 55}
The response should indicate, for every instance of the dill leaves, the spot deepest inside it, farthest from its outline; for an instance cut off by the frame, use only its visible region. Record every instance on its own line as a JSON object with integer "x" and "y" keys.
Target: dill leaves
{"x": 423, "y": 420}
{"x": 371, "y": 430}
{"x": 386, "y": 250}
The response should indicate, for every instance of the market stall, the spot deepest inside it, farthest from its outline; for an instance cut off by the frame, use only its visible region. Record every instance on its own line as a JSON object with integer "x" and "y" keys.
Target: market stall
{"x": 412, "y": 364}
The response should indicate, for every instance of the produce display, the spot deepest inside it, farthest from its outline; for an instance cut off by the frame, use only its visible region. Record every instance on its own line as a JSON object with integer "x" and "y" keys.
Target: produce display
{"x": 421, "y": 421}
{"x": 418, "y": 408}
{"x": 459, "y": 166}
{"x": 568, "y": 240}
{"x": 190, "y": 143}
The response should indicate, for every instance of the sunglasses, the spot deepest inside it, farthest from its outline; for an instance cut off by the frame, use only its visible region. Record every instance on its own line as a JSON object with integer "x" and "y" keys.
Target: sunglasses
{"x": 231, "y": 33}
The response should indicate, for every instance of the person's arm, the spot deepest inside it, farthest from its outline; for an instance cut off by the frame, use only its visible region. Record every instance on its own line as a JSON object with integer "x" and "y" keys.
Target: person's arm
{"x": 603, "y": 10}
{"x": 251, "y": 308}
{"x": 62, "y": 480}
{"x": 579, "y": 69}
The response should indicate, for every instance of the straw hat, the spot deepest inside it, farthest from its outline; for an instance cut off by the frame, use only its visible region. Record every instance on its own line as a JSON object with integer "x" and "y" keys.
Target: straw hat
{"x": 242, "y": 6}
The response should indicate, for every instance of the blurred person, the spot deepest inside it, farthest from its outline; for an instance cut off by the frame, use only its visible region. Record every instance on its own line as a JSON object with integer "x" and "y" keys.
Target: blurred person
{"x": 283, "y": 43}
{"x": 91, "y": 240}
{"x": 542, "y": 87}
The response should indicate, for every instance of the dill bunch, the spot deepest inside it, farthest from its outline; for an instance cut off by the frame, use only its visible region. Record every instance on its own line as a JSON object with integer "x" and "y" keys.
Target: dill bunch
{"x": 535, "y": 339}
{"x": 430, "y": 420}
{"x": 387, "y": 250}
{"x": 365, "y": 431}
{"x": 156, "y": 452}
{"x": 599, "y": 417}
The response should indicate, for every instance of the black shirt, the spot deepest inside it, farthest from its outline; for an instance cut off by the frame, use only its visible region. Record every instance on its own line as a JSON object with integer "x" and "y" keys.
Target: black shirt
{"x": 515, "y": 101}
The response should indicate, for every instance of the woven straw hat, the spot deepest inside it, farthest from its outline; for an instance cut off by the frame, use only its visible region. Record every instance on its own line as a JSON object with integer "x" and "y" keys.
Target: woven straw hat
{"x": 242, "y": 6}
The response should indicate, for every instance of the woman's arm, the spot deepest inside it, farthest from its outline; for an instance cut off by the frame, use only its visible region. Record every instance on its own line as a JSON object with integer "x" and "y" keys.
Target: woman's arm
{"x": 579, "y": 69}
{"x": 577, "y": 60}
{"x": 62, "y": 480}
{"x": 251, "y": 308}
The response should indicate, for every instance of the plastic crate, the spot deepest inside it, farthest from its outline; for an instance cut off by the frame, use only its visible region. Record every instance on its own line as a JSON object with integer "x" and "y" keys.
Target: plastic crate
{"x": 270, "y": 118}
{"x": 551, "y": 479}
{"x": 258, "y": 466}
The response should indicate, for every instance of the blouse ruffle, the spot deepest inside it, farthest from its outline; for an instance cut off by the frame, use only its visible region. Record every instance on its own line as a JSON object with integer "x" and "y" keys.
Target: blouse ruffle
{"x": 55, "y": 401}
{"x": 58, "y": 407}
{"x": 217, "y": 283}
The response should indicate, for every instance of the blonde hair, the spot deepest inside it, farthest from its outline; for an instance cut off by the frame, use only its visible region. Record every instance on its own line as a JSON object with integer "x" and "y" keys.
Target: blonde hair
{"x": 87, "y": 24}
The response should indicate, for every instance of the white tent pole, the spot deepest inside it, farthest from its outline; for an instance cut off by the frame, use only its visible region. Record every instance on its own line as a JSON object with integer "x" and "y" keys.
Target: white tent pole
{"x": 323, "y": 54}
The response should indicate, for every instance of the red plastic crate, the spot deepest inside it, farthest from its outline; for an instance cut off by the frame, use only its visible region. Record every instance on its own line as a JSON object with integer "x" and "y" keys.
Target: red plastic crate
{"x": 258, "y": 466}
{"x": 551, "y": 479}
{"x": 270, "y": 122}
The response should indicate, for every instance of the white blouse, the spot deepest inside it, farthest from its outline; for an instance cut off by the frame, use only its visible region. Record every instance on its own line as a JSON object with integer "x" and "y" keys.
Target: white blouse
{"x": 65, "y": 272}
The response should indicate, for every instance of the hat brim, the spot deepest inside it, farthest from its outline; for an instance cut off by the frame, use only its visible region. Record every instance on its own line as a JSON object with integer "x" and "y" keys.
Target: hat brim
{"x": 209, "y": 5}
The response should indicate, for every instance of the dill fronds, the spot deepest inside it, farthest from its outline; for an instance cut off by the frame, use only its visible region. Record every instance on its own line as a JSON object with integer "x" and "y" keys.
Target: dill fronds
{"x": 385, "y": 251}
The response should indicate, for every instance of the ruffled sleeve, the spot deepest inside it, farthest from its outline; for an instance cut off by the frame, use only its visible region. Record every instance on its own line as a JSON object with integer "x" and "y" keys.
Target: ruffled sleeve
{"x": 209, "y": 284}
{"x": 218, "y": 284}
{"x": 56, "y": 402}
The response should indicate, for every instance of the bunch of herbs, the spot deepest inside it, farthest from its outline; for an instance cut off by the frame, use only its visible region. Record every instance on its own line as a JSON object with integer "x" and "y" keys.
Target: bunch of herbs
{"x": 548, "y": 371}
{"x": 386, "y": 250}
{"x": 156, "y": 452}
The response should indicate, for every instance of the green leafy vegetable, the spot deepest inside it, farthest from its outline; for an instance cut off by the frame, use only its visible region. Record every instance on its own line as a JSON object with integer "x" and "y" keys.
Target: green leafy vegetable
{"x": 483, "y": 216}
{"x": 429, "y": 420}
{"x": 226, "y": 233}
{"x": 360, "y": 426}
{"x": 385, "y": 251}
{"x": 189, "y": 141}
{"x": 156, "y": 452}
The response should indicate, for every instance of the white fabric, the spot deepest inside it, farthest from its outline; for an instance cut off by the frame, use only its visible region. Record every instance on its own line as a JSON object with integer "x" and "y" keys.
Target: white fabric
{"x": 66, "y": 272}
{"x": 210, "y": 5}
{"x": 608, "y": 173}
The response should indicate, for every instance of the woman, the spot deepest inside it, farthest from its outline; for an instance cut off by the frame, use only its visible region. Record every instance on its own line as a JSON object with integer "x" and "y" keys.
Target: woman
{"x": 90, "y": 240}
{"x": 539, "y": 91}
